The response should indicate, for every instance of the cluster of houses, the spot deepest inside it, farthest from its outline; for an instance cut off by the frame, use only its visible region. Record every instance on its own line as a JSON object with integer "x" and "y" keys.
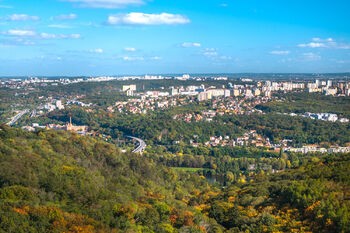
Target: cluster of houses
{"x": 250, "y": 138}
{"x": 139, "y": 106}
{"x": 79, "y": 103}
{"x": 222, "y": 106}
{"x": 190, "y": 117}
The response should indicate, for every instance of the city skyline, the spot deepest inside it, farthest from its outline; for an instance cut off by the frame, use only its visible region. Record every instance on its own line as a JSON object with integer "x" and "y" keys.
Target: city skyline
{"x": 109, "y": 37}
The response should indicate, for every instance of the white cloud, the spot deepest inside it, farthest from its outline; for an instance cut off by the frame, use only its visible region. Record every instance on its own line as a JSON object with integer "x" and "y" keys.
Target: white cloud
{"x": 210, "y": 54}
{"x": 129, "y": 49}
{"x": 190, "y": 44}
{"x": 343, "y": 46}
{"x": 146, "y": 19}
{"x": 210, "y": 49}
{"x": 58, "y": 36}
{"x": 17, "y": 32}
{"x": 109, "y": 4}
{"x": 313, "y": 45}
{"x": 126, "y": 58}
{"x": 226, "y": 58}
{"x": 59, "y": 26}
{"x": 140, "y": 58}
{"x": 18, "y": 41}
{"x": 49, "y": 36}
{"x": 317, "y": 39}
{"x": 155, "y": 58}
{"x": 74, "y": 36}
{"x": 213, "y": 53}
{"x": 311, "y": 56}
{"x": 21, "y": 17}
{"x": 224, "y": 5}
{"x": 43, "y": 35}
{"x": 325, "y": 43}
{"x": 279, "y": 52}
{"x": 286, "y": 60}
{"x": 95, "y": 51}
{"x": 65, "y": 17}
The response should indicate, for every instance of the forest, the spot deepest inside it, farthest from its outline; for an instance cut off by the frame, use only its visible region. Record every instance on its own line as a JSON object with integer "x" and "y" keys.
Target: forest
{"x": 55, "y": 181}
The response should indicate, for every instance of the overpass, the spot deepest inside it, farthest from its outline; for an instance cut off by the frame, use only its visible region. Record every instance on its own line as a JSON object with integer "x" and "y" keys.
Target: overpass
{"x": 17, "y": 117}
{"x": 141, "y": 145}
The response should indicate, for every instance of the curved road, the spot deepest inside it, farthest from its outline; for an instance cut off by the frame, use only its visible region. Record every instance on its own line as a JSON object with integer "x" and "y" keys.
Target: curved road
{"x": 17, "y": 117}
{"x": 141, "y": 147}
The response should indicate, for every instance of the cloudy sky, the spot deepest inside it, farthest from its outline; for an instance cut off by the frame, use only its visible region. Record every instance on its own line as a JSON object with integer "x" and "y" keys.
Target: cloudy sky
{"x": 110, "y": 37}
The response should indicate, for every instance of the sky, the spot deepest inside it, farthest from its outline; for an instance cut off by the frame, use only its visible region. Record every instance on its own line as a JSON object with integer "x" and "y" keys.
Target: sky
{"x": 121, "y": 37}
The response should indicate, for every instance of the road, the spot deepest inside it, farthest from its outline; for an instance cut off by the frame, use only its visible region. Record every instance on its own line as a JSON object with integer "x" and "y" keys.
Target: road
{"x": 33, "y": 113}
{"x": 17, "y": 117}
{"x": 141, "y": 146}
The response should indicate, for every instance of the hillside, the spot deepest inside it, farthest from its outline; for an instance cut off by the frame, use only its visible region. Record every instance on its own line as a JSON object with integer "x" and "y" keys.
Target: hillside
{"x": 53, "y": 181}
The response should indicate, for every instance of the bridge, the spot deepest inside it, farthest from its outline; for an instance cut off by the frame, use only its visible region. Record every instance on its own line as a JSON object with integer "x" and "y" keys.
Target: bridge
{"x": 17, "y": 117}
{"x": 141, "y": 145}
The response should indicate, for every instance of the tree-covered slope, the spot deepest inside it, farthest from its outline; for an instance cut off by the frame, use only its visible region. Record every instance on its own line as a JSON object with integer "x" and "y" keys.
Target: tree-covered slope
{"x": 54, "y": 181}
{"x": 58, "y": 182}
{"x": 312, "y": 198}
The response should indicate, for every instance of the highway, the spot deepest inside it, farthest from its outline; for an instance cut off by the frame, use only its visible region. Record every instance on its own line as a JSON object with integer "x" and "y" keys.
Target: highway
{"x": 141, "y": 146}
{"x": 17, "y": 117}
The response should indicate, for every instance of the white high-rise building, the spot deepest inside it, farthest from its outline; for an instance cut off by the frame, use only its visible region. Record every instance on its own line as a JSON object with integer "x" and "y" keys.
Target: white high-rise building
{"x": 317, "y": 82}
{"x": 257, "y": 92}
{"x": 236, "y": 92}
{"x": 186, "y": 76}
{"x": 59, "y": 105}
{"x": 203, "y": 96}
{"x": 329, "y": 83}
{"x": 347, "y": 92}
{"x": 217, "y": 92}
{"x": 129, "y": 87}
{"x": 174, "y": 91}
{"x": 330, "y": 91}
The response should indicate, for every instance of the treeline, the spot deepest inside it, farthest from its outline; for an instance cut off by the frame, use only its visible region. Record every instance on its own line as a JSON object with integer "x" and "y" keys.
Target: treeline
{"x": 161, "y": 129}
{"x": 302, "y": 102}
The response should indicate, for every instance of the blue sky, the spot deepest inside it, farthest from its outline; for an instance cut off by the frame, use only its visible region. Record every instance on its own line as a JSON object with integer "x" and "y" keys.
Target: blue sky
{"x": 111, "y": 37}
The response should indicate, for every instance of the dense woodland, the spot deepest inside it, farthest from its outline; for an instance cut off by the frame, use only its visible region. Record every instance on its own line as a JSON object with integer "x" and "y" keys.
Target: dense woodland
{"x": 53, "y": 181}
